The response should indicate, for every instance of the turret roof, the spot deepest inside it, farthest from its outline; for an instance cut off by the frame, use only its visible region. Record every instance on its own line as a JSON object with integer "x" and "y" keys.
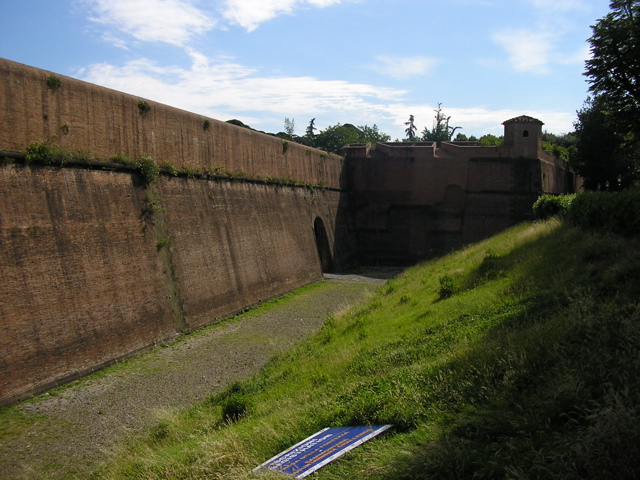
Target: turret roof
{"x": 523, "y": 119}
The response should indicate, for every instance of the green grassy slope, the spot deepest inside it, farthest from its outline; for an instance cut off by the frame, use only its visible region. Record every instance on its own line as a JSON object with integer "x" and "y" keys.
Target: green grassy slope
{"x": 517, "y": 357}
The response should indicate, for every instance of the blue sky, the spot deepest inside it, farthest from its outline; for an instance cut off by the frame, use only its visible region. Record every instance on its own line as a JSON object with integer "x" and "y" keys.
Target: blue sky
{"x": 338, "y": 61}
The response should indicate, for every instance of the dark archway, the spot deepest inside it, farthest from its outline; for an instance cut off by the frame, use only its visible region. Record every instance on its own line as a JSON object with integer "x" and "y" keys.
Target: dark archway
{"x": 322, "y": 244}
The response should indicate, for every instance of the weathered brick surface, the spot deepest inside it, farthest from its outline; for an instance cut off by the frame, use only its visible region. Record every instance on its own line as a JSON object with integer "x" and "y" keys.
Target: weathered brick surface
{"x": 83, "y": 117}
{"x": 86, "y": 279}
{"x": 410, "y": 208}
{"x": 82, "y": 282}
{"x": 236, "y": 244}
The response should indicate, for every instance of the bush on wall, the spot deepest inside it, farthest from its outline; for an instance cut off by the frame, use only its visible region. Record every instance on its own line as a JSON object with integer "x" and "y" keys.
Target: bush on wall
{"x": 148, "y": 168}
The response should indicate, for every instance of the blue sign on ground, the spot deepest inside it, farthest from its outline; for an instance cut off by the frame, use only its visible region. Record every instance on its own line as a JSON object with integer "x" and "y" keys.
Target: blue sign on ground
{"x": 315, "y": 452}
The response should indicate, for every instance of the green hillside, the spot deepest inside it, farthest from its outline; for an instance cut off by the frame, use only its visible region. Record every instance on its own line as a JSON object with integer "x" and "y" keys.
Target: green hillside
{"x": 518, "y": 357}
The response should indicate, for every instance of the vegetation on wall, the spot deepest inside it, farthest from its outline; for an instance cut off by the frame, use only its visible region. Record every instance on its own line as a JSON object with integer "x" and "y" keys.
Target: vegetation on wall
{"x": 148, "y": 169}
{"x": 54, "y": 83}
{"x": 47, "y": 153}
{"x": 143, "y": 107}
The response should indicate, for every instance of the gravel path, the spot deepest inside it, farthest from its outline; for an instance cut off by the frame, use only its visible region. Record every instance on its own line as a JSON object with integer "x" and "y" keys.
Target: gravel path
{"x": 66, "y": 434}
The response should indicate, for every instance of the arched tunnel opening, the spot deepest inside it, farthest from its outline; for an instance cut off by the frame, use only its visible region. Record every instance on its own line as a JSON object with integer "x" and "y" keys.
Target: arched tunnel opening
{"x": 322, "y": 244}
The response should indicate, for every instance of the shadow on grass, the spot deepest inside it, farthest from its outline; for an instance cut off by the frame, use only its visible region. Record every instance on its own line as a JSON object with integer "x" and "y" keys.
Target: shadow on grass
{"x": 552, "y": 391}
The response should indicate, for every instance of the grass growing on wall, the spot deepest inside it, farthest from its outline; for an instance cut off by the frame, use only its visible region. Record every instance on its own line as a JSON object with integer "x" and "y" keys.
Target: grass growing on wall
{"x": 526, "y": 368}
{"x": 49, "y": 154}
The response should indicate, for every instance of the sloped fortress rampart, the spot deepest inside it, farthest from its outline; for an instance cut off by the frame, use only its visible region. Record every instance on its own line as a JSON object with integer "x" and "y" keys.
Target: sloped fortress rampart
{"x": 98, "y": 263}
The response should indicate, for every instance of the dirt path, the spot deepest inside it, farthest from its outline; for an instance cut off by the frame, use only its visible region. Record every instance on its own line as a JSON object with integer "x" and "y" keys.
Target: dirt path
{"x": 65, "y": 435}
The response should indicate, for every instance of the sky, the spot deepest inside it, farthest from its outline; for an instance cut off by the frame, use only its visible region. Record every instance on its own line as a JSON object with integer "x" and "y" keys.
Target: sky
{"x": 364, "y": 62}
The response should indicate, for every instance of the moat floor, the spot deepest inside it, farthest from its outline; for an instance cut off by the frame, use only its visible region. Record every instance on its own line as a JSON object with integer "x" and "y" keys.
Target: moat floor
{"x": 67, "y": 434}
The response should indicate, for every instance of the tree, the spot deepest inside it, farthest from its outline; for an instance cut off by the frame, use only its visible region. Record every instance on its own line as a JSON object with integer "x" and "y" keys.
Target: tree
{"x": 411, "y": 129}
{"x": 290, "y": 126}
{"x": 491, "y": 140}
{"x": 607, "y": 152}
{"x": 441, "y": 131}
{"x": 614, "y": 69}
{"x": 333, "y": 139}
{"x": 310, "y": 132}
{"x": 602, "y": 157}
{"x": 372, "y": 135}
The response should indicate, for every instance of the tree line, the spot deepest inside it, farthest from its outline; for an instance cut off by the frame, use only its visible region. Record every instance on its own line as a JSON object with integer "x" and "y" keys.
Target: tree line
{"x": 335, "y": 137}
{"x": 604, "y": 149}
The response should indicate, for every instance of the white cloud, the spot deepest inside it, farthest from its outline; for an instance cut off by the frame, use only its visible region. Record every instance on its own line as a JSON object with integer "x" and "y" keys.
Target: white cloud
{"x": 223, "y": 89}
{"x": 169, "y": 21}
{"x": 251, "y": 13}
{"x": 477, "y": 121}
{"x": 176, "y": 21}
{"x": 576, "y": 58}
{"x": 402, "y": 68}
{"x": 527, "y": 50}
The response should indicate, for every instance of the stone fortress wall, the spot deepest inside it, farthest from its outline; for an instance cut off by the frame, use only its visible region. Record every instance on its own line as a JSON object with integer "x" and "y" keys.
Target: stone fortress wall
{"x": 412, "y": 201}
{"x": 99, "y": 265}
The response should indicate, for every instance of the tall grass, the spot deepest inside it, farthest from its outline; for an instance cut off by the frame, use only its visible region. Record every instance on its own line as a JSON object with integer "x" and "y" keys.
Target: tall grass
{"x": 527, "y": 368}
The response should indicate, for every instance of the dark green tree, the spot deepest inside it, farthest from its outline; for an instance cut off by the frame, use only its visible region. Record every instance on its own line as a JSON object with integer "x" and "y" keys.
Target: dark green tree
{"x": 411, "y": 129}
{"x": 461, "y": 137}
{"x": 607, "y": 149}
{"x": 613, "y": 72}
{"x": 334, "y": 138}
{"x": 491, "y": 140}
{"x": 311, "y": 129}
{"x": 602, "y": 157}
{"x": 372, "y": 135}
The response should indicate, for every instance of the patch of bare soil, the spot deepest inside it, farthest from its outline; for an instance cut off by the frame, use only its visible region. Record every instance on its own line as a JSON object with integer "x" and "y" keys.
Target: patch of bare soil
{"x": 67, "y": 434}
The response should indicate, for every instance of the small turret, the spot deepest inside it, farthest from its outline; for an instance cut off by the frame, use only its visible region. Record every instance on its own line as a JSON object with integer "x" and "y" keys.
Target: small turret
{"x": 524, "y": 135}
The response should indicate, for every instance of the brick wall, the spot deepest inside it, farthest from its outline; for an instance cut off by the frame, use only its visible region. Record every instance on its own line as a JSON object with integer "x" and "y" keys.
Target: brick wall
{"x": 80, "y": 116}
{"x": 98, "y": 266}
{"x": 92, "y": 274}
{"x": 407, "y": 209}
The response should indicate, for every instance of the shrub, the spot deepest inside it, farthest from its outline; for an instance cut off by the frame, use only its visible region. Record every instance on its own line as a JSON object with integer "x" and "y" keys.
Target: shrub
{"x": 148, "y": 168}
{"x": 615, "y": 212}
{"x": 236, "y": 401}
{"x": 45, "y": 154}
{"x": 447, "y": 287}
{"x": 54, "y": 83}
{"x": 548, "y": 206}
{"x": 162, "y": 243}
{"x": 144, "y": 107}
{"x": 236, "y": 406}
